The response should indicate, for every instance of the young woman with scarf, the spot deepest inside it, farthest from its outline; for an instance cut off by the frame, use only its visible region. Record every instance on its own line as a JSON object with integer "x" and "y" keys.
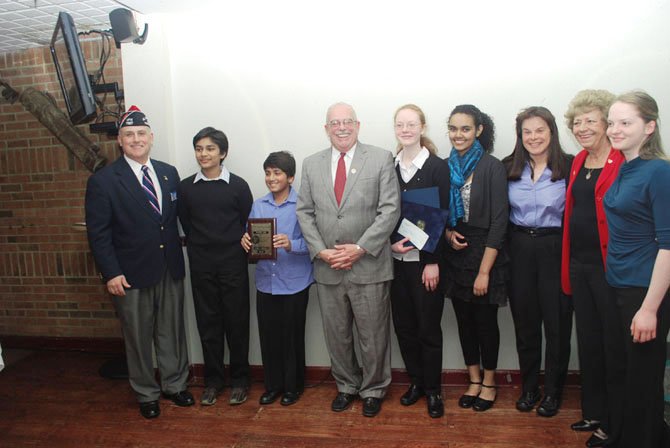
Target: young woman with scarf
{"x": 475, "y": 261}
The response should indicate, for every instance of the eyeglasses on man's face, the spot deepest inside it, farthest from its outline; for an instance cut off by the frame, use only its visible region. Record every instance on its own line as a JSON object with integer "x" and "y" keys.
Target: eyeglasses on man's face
{"x": 347, "y": 123}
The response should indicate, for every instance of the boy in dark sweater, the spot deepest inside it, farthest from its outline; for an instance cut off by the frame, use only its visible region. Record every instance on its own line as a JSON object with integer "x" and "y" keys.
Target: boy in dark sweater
{"x": 213, "y": 208}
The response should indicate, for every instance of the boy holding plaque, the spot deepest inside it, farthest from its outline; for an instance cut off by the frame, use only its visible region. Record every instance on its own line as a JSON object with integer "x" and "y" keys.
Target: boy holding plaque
{"x": 282, "y": 285}
{"x": 213, "y": 208}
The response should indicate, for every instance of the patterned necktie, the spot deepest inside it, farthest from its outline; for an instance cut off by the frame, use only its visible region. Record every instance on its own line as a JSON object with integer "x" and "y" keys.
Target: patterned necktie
{"x": 150, "y": 190}
{"x": 340, "y": 178}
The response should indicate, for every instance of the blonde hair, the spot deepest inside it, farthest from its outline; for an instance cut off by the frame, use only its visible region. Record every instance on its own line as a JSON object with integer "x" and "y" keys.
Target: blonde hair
{"x": 586, "y": 101}
{"x": 646, "y": 106}
{"x": 423, "y": 141}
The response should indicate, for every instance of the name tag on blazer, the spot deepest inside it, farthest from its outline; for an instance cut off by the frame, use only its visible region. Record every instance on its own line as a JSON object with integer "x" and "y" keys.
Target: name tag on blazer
{"x": 173, "y": 196}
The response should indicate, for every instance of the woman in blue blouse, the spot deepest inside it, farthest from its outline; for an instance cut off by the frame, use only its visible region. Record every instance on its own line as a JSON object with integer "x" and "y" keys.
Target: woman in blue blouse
{"x": 637, "y": 206}
{"x": 282, "y": 285}
{"x": 475, "y": 259}
{"x": 537, "y": 172}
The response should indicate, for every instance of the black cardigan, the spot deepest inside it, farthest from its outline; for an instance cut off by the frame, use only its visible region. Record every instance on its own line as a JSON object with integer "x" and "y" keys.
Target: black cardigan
{"x": 433, "y": 173}
{"x": 489, "y": 203}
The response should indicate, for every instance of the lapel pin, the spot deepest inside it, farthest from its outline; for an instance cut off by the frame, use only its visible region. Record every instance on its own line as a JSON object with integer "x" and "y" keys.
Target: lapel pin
{"x": 609, "y": 160}
{"x": 353, "y": 171}
{"x": 165, "y": 178}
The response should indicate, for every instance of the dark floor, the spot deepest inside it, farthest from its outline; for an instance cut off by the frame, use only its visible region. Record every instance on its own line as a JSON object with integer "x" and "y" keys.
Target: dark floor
{"x": 57, "y": 399}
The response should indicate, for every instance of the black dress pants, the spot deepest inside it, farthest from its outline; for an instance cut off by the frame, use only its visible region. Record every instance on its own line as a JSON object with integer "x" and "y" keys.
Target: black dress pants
{"x": 478, "y": 332}
{"x": 536, "y": 299}
{"x": 643, "y": 424}
{"x": 602, "y": 358}
{"x": 221, "y": 302}
{"x": 281, "y": 328}
{"x": 417, "y": 317}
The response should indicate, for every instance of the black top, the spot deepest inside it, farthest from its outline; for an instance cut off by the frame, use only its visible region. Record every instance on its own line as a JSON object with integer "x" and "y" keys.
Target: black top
{"x": 213, "y": 215}
{"x": 584, "y": 236}
{"x": 489, "y": 203}
{"x": 433, "y": 173}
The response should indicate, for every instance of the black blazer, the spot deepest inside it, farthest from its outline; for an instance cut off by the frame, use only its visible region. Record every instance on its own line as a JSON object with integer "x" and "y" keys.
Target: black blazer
{"x": 126, "y": 236}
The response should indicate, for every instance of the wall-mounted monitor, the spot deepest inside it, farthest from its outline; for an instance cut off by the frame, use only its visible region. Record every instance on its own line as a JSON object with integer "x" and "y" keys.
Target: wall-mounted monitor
{"x": 71, "y": 70}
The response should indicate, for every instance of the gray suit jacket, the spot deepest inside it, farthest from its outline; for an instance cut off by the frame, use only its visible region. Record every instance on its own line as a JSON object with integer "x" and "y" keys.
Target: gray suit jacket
{"x": 367, "y": 215}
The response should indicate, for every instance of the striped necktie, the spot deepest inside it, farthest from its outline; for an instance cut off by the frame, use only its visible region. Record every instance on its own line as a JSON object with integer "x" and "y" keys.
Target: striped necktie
{"x": 150, "y": 190}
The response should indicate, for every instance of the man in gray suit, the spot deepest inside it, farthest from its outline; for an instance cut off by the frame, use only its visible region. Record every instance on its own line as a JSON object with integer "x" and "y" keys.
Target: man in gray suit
{"x": 349, "y": 204}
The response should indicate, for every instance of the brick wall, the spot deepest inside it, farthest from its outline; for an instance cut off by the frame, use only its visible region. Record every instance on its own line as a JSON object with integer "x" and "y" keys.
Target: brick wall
{"x": 48, "y": 282}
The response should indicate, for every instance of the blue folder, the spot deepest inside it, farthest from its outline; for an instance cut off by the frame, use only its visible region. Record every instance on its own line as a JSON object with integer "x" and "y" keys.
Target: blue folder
{"x": 427, "y": 196}
{"x": 431, "y": 220}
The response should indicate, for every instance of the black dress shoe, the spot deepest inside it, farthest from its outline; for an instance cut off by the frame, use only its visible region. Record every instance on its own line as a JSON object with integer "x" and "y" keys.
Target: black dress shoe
{"x": 482, "y": 404}
{"x": 528, "y": 400}
{"x": 183, "y": 398}
{"x": 585, "y": 425}
{"x": 435, "y": 405}
{"x": 412, "y": 395}
{"x": 289, "y": 398}
{"x": 548, "y": 407}
{"x": 595, "y": 441}
{"x": 466, "y": 401}
{"x": 150, "y": 409}
{"x": 342, "y": 402}
{"x": 371, "y": 406}
{"x": 269, "y": 397}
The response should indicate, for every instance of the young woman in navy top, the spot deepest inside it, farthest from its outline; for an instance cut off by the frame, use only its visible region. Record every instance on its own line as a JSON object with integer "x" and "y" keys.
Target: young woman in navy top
{"x": 638, "y": 263}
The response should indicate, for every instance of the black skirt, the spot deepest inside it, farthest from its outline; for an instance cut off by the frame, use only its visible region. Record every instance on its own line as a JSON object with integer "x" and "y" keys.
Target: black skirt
{"x": 462, "y": 268}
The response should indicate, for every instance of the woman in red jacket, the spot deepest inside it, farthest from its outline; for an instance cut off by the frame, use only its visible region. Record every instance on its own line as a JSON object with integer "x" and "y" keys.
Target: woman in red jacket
{"x": 583, "y": 267}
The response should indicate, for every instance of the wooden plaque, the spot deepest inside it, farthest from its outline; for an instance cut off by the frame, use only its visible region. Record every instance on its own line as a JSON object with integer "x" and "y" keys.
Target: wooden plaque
{"x": 261, "y": 231}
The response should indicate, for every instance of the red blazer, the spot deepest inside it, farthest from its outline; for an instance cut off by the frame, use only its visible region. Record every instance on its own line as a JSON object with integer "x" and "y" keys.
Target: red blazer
{"x": 607, "y": 176}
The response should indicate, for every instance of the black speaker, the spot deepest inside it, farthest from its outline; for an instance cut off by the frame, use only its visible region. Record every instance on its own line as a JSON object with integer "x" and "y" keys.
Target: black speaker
{"x": 124, "y": 27}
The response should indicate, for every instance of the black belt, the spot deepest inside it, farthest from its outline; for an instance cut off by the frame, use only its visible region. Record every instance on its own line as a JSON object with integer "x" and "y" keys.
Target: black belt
{"x": 538, "y": 231}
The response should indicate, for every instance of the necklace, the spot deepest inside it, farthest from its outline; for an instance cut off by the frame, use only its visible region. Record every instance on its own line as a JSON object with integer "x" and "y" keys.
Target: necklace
{"x": 588, "y": 175}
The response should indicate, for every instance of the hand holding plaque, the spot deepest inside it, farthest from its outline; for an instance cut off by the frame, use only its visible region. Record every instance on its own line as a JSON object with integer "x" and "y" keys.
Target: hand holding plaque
{"x": 261, "y": 231}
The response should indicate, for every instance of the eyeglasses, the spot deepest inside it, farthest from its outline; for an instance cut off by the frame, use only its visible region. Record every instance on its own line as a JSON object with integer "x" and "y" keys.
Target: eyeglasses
{"x": 411, "y": 126}
{"x": 347, "y": 123}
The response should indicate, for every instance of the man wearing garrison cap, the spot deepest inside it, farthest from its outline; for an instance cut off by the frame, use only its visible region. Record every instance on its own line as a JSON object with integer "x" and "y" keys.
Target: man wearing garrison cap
{"x": 131, "y": 219}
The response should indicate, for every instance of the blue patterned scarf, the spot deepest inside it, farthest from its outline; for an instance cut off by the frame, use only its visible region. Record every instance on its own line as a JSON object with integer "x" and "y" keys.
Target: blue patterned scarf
{"x": 460, "y": 168}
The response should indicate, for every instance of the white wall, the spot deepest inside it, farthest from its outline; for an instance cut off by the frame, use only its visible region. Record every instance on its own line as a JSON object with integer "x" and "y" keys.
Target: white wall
{"x": 266, "y": 72}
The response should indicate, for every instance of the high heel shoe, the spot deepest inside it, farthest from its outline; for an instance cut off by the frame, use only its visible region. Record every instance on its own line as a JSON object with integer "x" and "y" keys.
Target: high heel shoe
{"x": 467, "y": 401}
{"x": 482, "y": 404}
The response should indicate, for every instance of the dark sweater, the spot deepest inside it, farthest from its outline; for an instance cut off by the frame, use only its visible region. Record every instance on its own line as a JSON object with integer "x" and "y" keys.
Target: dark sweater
{"x": 433, "y": 173}
{"x": 213, "y": 215}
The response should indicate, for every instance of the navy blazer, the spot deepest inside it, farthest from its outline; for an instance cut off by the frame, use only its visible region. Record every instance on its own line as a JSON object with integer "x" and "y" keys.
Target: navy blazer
{"x": 125, "y": 234}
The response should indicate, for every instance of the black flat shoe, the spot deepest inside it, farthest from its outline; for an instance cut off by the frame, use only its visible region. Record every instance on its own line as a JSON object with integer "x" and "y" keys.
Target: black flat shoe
{"x": 466, "y": 401}
{"x": 595, "y": 441}
{"x": 150, "y": 409}
{"x": 412, "y": 395}
{"x": 482, "y": 404}
{"x": 549, "y": 406}
{"x": 435, "y": 405}
{"x": 342, "y": 402}
{"x": 585, "y": 425}
{"x": 269, "y": 397}
{"x": 371, "y": 406}
{"x": 289, "y": 398}
{"x": 528, "y": 400}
